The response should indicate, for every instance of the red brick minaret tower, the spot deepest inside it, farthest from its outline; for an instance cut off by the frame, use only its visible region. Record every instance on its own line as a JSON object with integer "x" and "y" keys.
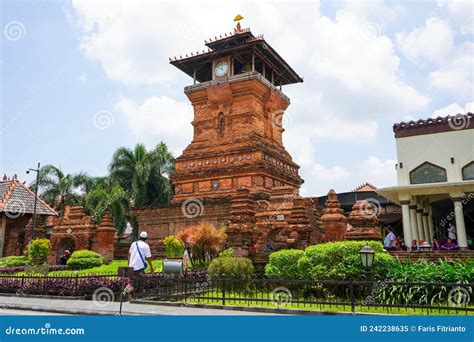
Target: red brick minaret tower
{"x": 238, "y": 112}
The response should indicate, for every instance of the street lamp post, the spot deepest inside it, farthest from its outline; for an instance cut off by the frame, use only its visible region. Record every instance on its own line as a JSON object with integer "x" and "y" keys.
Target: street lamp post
{"x": 36, "y": 198}
{"x": 367, "y": 256}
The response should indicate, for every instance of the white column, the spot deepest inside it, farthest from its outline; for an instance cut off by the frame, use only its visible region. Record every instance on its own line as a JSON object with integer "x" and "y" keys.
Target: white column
{"x": 407, "y": 237}
{"x": 413, "y": 223}
{"x": 460, "y": 225}
{"x": 426, "y": 229}
{"x": 419, "y": 223}
{"x": 430, "y": 223}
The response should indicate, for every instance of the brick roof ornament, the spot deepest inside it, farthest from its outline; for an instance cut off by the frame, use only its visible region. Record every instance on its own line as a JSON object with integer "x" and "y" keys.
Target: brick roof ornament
{"x": 363, "y": 222}
{"x": 332, "y": 219}
{"x": 16, "y": 197}
{"x": 434, "y": 125}
{"x": 365, "y": 187}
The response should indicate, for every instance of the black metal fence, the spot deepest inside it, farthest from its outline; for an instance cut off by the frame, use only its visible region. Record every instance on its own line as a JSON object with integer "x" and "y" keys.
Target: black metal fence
{"x": 352, "y": 296}
{"x": 336, "y": 296}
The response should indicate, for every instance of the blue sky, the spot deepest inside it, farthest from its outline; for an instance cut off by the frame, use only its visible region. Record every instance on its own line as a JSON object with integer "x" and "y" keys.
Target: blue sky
{"x": 81, "y": 78}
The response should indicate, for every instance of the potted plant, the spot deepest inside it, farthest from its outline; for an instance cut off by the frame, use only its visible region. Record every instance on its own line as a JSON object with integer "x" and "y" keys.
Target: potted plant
{"x": 174, "y": 249}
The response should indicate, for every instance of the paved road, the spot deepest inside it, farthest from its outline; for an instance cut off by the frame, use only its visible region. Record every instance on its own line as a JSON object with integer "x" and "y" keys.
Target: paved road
{"x": 89, "y": 307}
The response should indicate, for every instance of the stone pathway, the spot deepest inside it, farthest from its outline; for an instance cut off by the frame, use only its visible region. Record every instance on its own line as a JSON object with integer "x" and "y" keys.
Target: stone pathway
{"x": 88, "y": 307}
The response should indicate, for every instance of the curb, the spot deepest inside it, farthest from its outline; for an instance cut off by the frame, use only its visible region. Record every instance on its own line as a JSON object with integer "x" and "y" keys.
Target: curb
{"x": 280, "y": 311}
{"x": 71, "y": 311}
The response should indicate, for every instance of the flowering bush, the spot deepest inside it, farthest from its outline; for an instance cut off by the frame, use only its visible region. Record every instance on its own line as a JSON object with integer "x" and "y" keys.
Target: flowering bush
{"x": 17, "y": 269}
{"x": 60, "y": 286}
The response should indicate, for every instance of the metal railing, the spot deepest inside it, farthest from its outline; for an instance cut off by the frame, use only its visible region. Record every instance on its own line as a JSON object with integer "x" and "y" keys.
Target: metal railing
{"x": 352, "y": 296}
{"x": 336, "y": 296}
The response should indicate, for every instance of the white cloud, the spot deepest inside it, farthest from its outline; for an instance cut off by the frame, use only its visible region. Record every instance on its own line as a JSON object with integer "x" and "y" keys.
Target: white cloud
{"x": 374, "y": 170}
{"x": 455, "y": 76}
{"x": 380, "y": 173}
{"x": 461, "y": 13}
{"x": 351, "y": 71}
{"x": 159, "y": 119}
{"x": 454, "y": 109}
{"x": 430, "y": 43}
{"x": 374, "y": 10}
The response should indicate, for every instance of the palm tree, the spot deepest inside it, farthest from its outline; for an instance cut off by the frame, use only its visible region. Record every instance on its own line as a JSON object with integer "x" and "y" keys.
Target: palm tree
{"x": 144, "y": 175}
{"x": 59, "y": 189}
{"x": 108, "y": 197}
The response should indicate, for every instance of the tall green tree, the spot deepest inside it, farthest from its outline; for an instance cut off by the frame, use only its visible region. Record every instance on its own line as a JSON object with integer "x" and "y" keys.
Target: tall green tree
{"x": 59, "y": 189}
{"x": 143, "y": 174}
{"x": 107, "y": 197}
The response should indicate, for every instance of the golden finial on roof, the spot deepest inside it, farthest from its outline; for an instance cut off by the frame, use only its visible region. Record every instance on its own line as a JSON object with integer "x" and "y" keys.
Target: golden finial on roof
{"x": 238, "y": 18}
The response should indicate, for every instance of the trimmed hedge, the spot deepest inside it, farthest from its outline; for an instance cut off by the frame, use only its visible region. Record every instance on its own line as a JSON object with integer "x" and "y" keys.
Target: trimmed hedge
{"x": 14, "y": 261}
{"x": 328, "y": 261}
{"x": 228, "y": 267}
{"x": 38, "y": 251}
{"x": 284, "y": 264}
{"x": 84, "y": 259}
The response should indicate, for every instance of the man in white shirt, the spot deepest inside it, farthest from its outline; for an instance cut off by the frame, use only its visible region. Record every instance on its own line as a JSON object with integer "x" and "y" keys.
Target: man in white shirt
{"x": 389, "y": 242}
{"x": 139, "y": 254}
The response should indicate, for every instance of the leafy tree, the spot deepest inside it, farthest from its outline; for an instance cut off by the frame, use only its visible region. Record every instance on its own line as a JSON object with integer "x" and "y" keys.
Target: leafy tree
{"x": 106, "y": 197}
{"x": 143, "y": 174}
{"x": 59, "y": 189}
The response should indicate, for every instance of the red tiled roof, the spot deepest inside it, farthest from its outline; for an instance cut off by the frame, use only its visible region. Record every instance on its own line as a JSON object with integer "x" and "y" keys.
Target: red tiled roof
{"x": 365, "y": 187}
{"x": 15, "y": 197}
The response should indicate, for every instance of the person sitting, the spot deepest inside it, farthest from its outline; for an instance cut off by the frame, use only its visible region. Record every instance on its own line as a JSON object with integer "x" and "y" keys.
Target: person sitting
{"x": 268, "y": 247}
{"x": 65, "y": 257}
{"x": 435, "y": 245}
{"x": 403, "y": 247}
{"x": 449, "y": 246}
{"x": 414, "y": 245}
{"x": 398, "y": 243}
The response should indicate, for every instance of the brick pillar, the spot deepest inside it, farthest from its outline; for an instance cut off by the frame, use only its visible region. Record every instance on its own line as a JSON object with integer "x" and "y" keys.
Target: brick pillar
{"x": 105, "y": 238}
{"x": 333, "y": 220}
{"x": 242, "y": 221}
{"x": 299, "y": 225}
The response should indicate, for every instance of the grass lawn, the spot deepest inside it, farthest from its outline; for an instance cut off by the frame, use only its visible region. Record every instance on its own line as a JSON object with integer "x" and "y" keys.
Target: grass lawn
{"x": 106, "y": 269}
{"x": 230, "y": 301}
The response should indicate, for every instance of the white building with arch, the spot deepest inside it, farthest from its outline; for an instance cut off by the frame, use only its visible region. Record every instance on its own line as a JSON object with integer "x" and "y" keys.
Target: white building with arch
{"x": 435, "y": 173}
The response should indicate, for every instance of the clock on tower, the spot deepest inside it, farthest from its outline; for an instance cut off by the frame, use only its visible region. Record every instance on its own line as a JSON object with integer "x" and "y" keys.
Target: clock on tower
{"x": 238, "y": 108}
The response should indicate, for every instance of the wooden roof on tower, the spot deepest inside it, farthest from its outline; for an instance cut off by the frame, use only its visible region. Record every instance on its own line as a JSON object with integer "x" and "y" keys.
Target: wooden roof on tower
{"x": 234, "y": 44}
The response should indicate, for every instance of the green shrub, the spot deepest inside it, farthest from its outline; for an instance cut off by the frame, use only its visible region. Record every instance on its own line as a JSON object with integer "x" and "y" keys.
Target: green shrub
{"x": 341, "y": 261}
{"x": 230, "y": 268}
{"x": 84, "y": 259}
{"x": 38, "y": 251}
{"x": 14, "y": 261}
{"x": 173, "y": 246}
{"x": 284, "y": 264}
{"x": 227, "y": 252}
